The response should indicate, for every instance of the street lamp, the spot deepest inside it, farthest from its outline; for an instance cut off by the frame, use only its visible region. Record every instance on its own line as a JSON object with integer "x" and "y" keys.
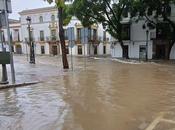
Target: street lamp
{"x": 31, "y": 44}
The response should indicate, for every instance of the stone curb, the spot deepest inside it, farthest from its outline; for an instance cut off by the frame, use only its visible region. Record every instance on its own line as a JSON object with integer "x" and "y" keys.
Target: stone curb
{"x": 18, "y": 85}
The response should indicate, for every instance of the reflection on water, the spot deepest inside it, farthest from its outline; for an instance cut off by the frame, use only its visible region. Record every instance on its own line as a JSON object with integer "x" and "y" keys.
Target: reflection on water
{"x": 106, "y": 96}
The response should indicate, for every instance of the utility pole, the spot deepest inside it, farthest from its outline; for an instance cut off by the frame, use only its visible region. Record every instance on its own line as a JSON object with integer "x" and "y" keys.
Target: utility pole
{"x": 5, "y": 7}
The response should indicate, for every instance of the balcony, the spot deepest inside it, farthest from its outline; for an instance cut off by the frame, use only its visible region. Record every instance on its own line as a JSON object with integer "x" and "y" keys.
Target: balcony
{"x": 53, "y": 25}
{"x": 41, "y": 39}
{"x": 95, "y": 40}
{"x": 91, "y": 40}
{"x": 52, "y": 38}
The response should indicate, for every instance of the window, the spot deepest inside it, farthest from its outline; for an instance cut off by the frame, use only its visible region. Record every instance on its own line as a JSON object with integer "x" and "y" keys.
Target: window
{"x": 94, "y": 34}
{"x": 142, "y": 52}
{"x": 41, "y": 19}
{"x": 42, "y": 50}
{"x": 78, "y": 34}
{"x": 126, "y": 31}
{"x": 16, "y": 35}
{"x": 41, "y": 35}
{"x": 104, "y": 36}
{"x": 89, "y": 33}
{"x": 53, "y": 34}
{"x": 66, "y": 34}
{"x": 79, "y": 50}
{"x": 53, "y": 18}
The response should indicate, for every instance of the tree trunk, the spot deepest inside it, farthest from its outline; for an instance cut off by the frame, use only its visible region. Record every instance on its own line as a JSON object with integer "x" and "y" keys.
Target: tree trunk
{"x": 62, "y": 39}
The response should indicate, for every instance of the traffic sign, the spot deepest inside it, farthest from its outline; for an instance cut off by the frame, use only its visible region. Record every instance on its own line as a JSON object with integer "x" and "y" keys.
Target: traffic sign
{"x": 71, "y": 44}
{"x": 71, "y": 33}
{"x": 84, "y": 35}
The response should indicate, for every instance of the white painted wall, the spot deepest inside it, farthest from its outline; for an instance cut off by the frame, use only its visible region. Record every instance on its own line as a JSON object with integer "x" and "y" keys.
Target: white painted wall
{"x": 116, "y": 51}
{"x": 172, "y": 54}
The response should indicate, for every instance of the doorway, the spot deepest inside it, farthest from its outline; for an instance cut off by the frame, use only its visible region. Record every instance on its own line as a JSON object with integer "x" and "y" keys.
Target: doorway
{"x": 125, "y": 51}
{"x": 160, "y": 51}
{"x": 142, "y": 52}
{"x": 54, "y": 50}
{"x": 104, "y": 50}
{"x": 42, "y": 50}
{"x": 95, "y": 50}
{"x": 79, "y": 50}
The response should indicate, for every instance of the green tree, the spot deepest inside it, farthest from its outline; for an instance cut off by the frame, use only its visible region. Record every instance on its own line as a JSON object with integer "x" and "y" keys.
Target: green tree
{"x": 106, "y": 12}
{"x": 64, "y": 19}
{"x": 157, "y": 14}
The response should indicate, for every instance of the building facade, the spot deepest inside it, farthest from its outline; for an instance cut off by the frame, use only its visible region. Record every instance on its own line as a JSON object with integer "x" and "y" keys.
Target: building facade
{"x": 15, "y": 36}
{"x": 138, "y": 39}
{"x": 45, "y": 34}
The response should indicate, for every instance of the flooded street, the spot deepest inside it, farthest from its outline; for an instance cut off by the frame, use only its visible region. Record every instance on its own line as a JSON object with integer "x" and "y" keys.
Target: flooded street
{"x": 106, "y": 95}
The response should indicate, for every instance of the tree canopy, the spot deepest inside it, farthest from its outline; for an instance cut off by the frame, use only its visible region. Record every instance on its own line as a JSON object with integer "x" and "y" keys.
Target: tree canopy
{"x": 66, "y": 13}
{"x": 157, "y": 14}
{"x": 105, "y": 12}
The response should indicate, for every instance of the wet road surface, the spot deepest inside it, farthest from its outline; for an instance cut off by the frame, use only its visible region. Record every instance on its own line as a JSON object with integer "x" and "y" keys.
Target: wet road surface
{"x": 107, "y": 95}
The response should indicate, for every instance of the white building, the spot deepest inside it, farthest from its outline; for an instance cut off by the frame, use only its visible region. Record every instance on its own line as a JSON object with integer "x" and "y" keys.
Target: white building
{"x": 44, "y": 28}
{"x": 15, "y": 34}
{"x": 136, "y": 40}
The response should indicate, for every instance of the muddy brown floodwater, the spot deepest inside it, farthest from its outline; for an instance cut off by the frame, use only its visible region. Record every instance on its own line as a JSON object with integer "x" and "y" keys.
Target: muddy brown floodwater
{"x": 106, "y": 96}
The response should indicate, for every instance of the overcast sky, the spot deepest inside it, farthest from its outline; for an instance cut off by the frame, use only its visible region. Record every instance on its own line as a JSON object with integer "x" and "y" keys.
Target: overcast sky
{"x": 19, "y": 5}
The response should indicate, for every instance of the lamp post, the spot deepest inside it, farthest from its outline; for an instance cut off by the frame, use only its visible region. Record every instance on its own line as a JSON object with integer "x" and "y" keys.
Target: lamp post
{"x": 31, "y": 44}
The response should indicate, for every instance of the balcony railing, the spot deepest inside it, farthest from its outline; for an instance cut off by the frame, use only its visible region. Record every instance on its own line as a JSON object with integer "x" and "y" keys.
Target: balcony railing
{"x": 91, "y": 40}
{"x": 52, "y": 38}
{"x": 53, "y": 25}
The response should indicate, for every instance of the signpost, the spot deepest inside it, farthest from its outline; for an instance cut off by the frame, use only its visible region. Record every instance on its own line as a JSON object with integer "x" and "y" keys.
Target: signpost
{"x": 84, "y": 41}
{"x": 5, "y": 8}
{"x": 71, "y": 38}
